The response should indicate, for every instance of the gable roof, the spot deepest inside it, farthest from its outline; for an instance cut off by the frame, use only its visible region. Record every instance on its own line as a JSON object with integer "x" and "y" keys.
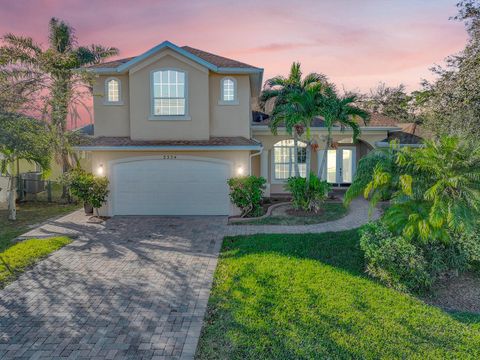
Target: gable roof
{"x": 211, "y": 61}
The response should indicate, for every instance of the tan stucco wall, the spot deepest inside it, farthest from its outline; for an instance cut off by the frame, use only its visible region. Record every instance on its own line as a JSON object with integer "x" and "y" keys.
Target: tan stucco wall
{"x": 111, "y": 120}
{"x": 230, "y": 120}
{"x": 366, "y": 140}
{"x": 237, "y": 159}
{"x": 197, "y": 128}
{"x": 208, "y": 117}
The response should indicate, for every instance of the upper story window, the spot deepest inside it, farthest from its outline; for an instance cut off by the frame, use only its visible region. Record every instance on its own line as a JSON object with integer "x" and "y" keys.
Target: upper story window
{"x": 228, "y": 91}
{"x": 284, "y": 159}
{"x": 113, "y": 91}
{"x": 169, "y": 94}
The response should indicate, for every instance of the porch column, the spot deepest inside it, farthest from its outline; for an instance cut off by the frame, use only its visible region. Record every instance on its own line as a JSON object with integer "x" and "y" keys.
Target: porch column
{"x": 264, "y": 163}
{"x": 320, "y": 154}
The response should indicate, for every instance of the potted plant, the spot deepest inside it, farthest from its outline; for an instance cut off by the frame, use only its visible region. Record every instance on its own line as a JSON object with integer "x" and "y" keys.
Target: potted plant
{"x": 88, "y": 188}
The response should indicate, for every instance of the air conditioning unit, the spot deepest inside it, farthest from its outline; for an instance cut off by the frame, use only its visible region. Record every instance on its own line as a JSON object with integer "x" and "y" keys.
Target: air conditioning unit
{"x": 32, "y": 182}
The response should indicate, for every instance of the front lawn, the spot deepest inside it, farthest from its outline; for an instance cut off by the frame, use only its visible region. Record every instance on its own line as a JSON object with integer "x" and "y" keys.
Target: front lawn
{"x": 329, "y": 212}
{"x": 17, "y": 257}
{"x": 28, "y": 214}
{"x": 306, "y": 296}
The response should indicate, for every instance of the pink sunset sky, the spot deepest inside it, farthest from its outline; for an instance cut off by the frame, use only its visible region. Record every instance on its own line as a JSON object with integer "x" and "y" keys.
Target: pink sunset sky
{"x": 357, "y": 44}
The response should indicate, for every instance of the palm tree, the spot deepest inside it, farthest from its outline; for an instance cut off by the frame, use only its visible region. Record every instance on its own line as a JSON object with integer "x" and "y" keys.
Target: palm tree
{"x": 342, "y": 111}
{"x": 278, "y": 89}
{"x": 58, "y": 67}
{"x": 301, "y": 107}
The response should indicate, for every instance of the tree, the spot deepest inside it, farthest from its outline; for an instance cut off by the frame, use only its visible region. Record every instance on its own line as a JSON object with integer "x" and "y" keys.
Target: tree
{"x": 278, "y": 90}
{"x": 59, "y": 66}
{"x": 341, "y": 111}
{"x": 25, "y": 138}
{"x": 435, "y": 189}
{"x": 300, "y": 107}
{"x": 390, "y": 101}
{"x": 452, "y": 106}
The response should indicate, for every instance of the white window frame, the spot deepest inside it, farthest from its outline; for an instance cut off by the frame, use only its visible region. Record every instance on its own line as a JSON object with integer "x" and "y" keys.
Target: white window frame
{"x": 276, "y": 180}
{"x": 222, "y": 100}
{"x": 120, "y": 100}
{"x": 152, "y": 116}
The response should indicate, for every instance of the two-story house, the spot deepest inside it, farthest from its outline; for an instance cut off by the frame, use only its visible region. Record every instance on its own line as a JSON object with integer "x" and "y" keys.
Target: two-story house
{"x": 173, "y": 124}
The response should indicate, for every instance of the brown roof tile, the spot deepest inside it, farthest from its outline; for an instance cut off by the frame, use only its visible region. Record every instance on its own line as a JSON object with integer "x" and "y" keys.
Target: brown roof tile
{"x": 403, "y": 138}
{"x": 213, "y": 59}
{"x": 126, "y": 141}
{"x": 375, "y": 120}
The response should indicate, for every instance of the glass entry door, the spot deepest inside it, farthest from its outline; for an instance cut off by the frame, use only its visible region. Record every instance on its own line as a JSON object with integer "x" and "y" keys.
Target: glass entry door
{"x": 341, "y": 165}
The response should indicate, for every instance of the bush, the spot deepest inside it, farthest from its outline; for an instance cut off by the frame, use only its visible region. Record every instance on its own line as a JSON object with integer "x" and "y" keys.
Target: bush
{"x": 393, "y": 259}
{"x": 90, "y": 189}
{"x": 410, "y": 265}
{"x": 246, "y": 193}
{"x": 307, "y": 197}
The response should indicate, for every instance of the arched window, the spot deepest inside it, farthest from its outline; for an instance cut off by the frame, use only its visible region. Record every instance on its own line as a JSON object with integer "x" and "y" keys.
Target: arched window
{"x": 169, "y": 93}
{"x": 113, "y": 91}
{"x": 284, "y": 159}
{"x": 228, "y": 91}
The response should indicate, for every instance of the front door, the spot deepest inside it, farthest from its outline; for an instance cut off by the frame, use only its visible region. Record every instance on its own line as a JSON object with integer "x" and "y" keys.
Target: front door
{"x": 341, "y": 165}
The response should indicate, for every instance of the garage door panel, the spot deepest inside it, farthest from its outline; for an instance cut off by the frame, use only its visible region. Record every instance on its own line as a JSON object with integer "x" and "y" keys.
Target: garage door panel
{"x": 170, "y": 187}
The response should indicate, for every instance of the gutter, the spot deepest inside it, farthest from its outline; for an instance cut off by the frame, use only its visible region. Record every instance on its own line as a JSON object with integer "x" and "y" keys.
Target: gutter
{"x": 168, "y": 148}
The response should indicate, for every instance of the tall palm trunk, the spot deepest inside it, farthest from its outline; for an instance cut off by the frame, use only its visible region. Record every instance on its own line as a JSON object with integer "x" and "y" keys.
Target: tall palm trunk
{"x": 295, "y": 149}
{"x": 308, "y": 157}
{"x": 325, "y": 154}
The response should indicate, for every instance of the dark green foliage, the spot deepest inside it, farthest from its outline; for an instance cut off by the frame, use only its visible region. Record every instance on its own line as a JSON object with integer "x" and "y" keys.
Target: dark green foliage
{"x": 246, "y": 193}
{"x": 307, "y": 196}
{"x": 393, "y": 259}
{"x": 377, "y": 160}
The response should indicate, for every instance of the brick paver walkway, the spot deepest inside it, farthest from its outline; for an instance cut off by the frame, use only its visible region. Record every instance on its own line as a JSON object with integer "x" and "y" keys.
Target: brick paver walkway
{"x": 136, "y": 287}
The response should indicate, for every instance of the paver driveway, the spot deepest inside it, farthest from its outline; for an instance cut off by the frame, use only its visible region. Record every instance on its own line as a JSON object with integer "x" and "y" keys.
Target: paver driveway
{"x": 136, "y": 288}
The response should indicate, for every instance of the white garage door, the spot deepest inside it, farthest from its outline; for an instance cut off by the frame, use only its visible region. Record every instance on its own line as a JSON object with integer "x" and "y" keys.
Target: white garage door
{"x": 170, "y": 187}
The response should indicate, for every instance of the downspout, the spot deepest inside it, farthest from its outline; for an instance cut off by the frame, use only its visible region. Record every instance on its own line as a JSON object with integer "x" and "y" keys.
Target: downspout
{"x": 251, "y": 156}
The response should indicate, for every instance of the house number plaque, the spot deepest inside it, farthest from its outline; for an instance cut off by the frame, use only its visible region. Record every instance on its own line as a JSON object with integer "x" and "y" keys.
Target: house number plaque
{"x": 169, "y": 157}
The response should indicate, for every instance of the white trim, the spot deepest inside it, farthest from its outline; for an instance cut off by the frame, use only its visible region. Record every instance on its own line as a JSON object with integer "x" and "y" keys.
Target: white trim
{"x": 152, "y": 115}
{"x": 168, "y": 148}
{"x": 105, "y": 97}
{"x": 222, "y": 100}
{"x": 112, "y": 163}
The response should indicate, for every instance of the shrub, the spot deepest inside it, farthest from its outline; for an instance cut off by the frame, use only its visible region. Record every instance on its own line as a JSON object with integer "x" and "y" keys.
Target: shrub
{"x": 90, "y": 189}
{"x": 246, "y": 193}
{"x": 393, "y": 259}
{"x": 307, "y": 197}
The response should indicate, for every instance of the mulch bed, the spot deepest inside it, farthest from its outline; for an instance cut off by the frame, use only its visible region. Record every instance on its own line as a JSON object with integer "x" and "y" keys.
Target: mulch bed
{"x": 460, "y": 293}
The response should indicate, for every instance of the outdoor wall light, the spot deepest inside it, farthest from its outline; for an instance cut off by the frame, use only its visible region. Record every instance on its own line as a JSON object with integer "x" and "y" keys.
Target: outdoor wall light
{"x": 100, "y": 170}
{"x": 240, "y": 170}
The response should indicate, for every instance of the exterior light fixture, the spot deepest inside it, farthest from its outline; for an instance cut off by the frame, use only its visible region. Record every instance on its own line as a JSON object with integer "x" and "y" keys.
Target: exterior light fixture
{"x": 240, "y": 170}
{"x": 100, "y": 170}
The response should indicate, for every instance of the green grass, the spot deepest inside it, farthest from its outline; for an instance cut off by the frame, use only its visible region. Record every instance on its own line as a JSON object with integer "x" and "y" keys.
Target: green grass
{"x": 27, "y": 215}
{"x": 332, "y": 211}
{"x": 25, "y": 254}
{"x": 306, "y": 297}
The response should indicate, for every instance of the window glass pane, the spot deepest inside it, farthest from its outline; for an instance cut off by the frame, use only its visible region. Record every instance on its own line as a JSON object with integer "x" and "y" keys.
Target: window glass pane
{"x": 113, "y": 94}
{"x": 168, "y": 93}
{"x": 284, "y": 159}
{"x": 228, "y": 90}
{"x": 347, "y": 165}
{"x": 332, "y": 166}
